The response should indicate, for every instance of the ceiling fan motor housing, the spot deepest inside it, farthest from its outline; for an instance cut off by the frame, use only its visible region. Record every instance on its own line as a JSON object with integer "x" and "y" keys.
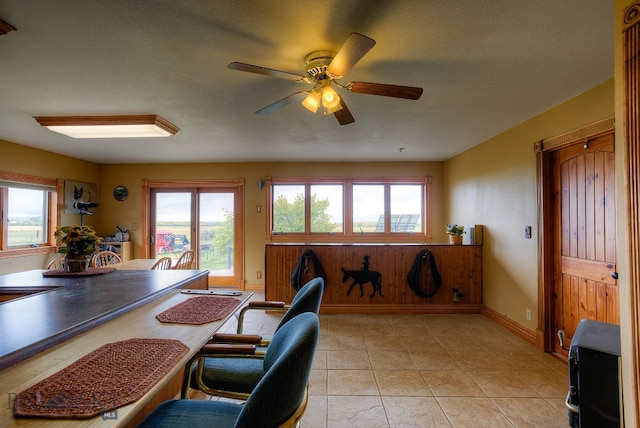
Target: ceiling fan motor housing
{"x": 316, "y": 63}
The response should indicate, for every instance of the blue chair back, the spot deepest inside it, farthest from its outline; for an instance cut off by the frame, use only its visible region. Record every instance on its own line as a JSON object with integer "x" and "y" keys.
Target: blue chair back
{"x": 288, "y": 365}
{"x": 307, "y": 299}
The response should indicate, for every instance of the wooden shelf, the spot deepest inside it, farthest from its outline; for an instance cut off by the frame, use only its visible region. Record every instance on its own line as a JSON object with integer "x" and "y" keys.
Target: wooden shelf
{"x": 123, "y": 249}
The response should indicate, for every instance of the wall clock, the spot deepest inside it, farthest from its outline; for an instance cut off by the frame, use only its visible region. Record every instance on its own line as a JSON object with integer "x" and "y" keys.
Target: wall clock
{"x": 120, "y": 193}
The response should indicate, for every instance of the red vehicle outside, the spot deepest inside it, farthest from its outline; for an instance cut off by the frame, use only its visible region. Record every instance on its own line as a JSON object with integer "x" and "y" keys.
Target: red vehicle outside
{"x": 167, "y": 242}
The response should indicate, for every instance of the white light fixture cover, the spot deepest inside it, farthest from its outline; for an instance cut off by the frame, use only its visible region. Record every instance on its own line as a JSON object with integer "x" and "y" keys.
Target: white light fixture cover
{"x": 325, "y": 95}
{"x": 312, "y": 102}
{"x": 330, "y": 98}
{"x": 109, "y": 126}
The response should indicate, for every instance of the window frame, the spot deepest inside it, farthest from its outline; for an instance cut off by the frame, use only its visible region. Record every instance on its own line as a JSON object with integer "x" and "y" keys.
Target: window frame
{"x": 54, "y": 208}
{"x": 347, "y": 235}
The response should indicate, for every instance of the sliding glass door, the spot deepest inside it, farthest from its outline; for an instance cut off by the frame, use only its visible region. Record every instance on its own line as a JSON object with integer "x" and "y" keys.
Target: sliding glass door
{"x": 204, "y": 218}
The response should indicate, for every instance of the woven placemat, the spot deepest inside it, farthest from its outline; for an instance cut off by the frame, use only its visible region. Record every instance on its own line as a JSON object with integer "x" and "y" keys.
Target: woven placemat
{"x": 88, "y": 272}
{"x": 199, "y": 310}
{"x": 112, "y": 376}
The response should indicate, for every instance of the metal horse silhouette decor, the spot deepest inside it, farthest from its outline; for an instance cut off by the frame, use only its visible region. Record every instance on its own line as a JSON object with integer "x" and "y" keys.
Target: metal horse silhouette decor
{"x": 362, "y": 276}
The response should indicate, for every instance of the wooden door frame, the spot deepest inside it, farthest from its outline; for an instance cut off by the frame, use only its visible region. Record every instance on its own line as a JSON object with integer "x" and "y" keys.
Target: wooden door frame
{"x": 546, "y": 218}
{"x": 627, "y": 67}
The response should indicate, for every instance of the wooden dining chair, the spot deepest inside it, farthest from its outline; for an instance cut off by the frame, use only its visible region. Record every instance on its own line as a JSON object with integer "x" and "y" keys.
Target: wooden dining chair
{"x": 185, "y": 261}
{"x": 163, "y": 263}
{"x": 105, "y": 258}
{"x": 56, "y": 264}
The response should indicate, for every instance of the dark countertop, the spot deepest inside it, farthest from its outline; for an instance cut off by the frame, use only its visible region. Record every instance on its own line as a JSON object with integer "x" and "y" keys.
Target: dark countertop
{"x": 34, "y": 323}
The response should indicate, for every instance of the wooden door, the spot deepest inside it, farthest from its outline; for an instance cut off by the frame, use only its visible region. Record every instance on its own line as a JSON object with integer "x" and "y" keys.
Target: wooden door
{"x": 585, "y": 244}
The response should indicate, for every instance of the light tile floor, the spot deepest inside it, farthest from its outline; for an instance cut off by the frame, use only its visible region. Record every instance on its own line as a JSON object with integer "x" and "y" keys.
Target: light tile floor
{"x": 426, "y": 371}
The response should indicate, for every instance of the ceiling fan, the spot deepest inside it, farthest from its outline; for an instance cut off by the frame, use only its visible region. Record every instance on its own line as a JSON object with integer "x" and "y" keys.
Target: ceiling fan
{"x": 325, "y": 68}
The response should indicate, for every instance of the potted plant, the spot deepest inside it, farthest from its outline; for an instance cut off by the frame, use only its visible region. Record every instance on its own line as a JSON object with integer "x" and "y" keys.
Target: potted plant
{"x": 455, "y": 233}
{"x": 78, "y": 243}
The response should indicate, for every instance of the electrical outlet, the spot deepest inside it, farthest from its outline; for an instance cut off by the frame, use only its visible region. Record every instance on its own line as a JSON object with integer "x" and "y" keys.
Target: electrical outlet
{"x": 457, "y": 295}
{"x": 134, "y": 227}
{"x": 528, "y": 315}
{"x": 259, "y": 274}
{"x": 259, "y": 208}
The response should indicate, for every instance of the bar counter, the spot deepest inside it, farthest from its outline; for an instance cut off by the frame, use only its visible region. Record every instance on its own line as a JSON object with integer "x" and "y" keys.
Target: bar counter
{"x": 63, "y": 307}
{"x": 140, "y": 322}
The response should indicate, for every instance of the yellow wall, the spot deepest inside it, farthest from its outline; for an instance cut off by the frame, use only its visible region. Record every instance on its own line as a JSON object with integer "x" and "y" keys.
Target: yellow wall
{"x": 494, "y": 184}
{"x": 40, "y": 163}
{"x": 128, "y": 212}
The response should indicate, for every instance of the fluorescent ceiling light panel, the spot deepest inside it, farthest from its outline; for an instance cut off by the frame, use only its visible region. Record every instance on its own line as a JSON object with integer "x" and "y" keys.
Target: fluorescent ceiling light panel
{"x": 109, "y": 126}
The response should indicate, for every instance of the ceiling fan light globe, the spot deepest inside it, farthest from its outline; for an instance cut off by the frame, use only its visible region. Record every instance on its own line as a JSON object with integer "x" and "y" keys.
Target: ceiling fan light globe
{"x": 330, "y": 98}
{"x": 312, "y": 102}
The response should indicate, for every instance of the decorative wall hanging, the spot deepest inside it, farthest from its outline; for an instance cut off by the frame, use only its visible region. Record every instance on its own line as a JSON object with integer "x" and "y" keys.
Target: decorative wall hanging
{"x": 362, "y": 276}
{"x": 120, "y": 193}
{"x": 424, "y": 278}
{"x": 79, "y": 195}
{"x": 307, "y": 267}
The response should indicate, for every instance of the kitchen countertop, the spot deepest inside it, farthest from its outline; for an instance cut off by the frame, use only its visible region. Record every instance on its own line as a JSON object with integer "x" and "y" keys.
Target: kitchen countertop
{"x": 67, "y": 306}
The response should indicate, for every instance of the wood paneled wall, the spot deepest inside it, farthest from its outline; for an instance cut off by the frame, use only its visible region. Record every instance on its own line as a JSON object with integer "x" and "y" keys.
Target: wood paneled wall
{"x": 460, "y": 266}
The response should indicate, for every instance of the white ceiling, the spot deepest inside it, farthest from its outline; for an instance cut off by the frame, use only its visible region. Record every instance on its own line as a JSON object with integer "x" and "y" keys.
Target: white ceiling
{"x": 485, "y": 66}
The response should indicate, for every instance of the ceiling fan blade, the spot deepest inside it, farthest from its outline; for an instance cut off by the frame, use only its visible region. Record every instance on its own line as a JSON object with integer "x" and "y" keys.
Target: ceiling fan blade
{"x": 349, "y": 54}
{"x": 406, "y": 92}
{"x": 241, "y": 66}
{"x": 344, "y": 115}
{"x": 297, "y": 97}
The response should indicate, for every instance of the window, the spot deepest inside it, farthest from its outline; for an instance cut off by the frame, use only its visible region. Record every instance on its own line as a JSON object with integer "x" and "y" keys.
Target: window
{"x": 288, "y": 209}
{"x": 349, "y": 210}
{"x": 29, "y": 214}
{"x": 27, "y": 217}
{"x": 368, "y": 208}
{"x": 405, "y": 208}
{"x": 326, "y": 208}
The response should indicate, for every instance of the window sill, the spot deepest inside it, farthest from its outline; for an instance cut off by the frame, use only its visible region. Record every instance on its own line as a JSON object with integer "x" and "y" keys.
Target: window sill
{"x": 27, "y": 251}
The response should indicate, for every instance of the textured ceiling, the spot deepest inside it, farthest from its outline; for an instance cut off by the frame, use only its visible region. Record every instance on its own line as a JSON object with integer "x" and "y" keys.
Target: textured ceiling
{"x": 485, "y": 66}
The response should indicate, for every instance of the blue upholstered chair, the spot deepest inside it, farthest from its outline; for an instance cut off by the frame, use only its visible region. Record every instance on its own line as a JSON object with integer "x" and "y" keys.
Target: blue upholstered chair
{"x": 307, "y": 299}
{"x": 233, "y": 371}
{"x": 279, "y": 398}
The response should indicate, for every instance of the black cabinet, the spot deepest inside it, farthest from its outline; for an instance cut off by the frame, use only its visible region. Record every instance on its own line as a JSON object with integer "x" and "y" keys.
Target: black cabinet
{"x": 595, "y": 381}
